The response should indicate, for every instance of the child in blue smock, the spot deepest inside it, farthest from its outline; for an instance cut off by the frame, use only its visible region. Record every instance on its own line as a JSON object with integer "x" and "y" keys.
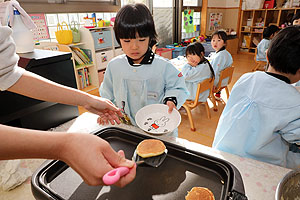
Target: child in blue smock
{"x": 263, "y": 45}
{"x": 139, "y": 77}
{"x": 261, "y": 119}
{"x": 196, "y": 70}
{"x": 221, "y": 59}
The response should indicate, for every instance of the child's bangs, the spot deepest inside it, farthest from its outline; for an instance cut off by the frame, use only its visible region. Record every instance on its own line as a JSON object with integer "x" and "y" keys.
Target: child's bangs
{"x": 130, "y": 30}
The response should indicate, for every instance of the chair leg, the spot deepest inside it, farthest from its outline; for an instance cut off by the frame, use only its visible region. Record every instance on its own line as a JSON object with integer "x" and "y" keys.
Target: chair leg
{"x": 256, "y": 67}
{"x": 213, "y": 100}
{"x": 227, "y": 92}
{"x": 207, "y": 110}
{"x": 188, "y": 110}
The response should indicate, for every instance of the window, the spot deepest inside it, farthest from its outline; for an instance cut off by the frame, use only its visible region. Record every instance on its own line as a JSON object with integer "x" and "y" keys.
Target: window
{"x": 53, "y": 19}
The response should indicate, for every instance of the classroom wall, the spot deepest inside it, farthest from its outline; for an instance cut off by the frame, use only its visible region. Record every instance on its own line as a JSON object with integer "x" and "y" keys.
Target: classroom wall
{"x": 230, "y": 10}
{"x": 223, "y": 3}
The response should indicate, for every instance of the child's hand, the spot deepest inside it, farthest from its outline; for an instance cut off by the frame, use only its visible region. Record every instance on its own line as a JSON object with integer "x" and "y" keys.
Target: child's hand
{"x": 171, "y": 106}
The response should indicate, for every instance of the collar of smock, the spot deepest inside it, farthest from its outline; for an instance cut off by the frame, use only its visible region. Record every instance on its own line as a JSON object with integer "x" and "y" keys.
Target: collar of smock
{"x": 223, "y": 48}
{"x": 147, "y": 60}
{"x": 280, "y": 77}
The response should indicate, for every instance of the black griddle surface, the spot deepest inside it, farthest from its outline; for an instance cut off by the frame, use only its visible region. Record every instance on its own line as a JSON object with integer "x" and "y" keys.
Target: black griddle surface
{"x": 180, "y": 172}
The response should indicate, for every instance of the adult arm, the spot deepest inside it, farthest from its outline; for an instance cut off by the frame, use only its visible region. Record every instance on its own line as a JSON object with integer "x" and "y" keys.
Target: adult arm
{"x": 37, "y": 87}
{"x": 90, "y": 156}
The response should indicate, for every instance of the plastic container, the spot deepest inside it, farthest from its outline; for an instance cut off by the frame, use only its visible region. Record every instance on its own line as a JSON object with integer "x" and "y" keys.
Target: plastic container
{"x": 177, "y": 51}
{"x": 164, "y": 52}
{"x": 22, "y": 36}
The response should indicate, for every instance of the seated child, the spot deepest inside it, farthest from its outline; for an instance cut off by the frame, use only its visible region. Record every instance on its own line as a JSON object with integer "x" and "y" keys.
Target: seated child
{"x": 196, "y": 70}
{"x": 296, "y": 19}
{"x": 139, "y": 77}
{"x": 263, "y": 45}
{"x": 221, "y": 59}
{"x": 261, "y": 119}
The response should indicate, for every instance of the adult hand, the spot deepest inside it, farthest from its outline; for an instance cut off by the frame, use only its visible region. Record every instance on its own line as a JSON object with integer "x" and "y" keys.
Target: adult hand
{"x": 91, "y": 157}
{"x": 171, "y": 106}
{"x": 104, "y": 108}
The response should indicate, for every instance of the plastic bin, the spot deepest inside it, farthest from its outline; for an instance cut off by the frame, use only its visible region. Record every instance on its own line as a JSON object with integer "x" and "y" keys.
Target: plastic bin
{"x": 177, "y": 51}
{"x": 164, "y": 52}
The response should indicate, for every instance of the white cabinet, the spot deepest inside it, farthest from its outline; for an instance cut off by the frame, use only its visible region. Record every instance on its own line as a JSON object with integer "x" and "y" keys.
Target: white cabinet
{"x": 103, "y": 57}
{"x": 101, "y": 40}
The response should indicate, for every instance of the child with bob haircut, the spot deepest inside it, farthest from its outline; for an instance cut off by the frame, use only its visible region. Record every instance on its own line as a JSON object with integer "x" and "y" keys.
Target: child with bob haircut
{"x": 261, "y": 119}
{"x": 221, "y": 59}
{"x": 139, "y": 77}
{"x": 263, "y": 45}
{"x": 296, "y": 19}
{"x": 196, "y": 70}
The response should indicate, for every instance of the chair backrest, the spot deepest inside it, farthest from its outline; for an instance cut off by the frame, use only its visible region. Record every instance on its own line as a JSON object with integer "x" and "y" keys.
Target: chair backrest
{"x": 207, "y": 84}
{"x": 225, "y": 73}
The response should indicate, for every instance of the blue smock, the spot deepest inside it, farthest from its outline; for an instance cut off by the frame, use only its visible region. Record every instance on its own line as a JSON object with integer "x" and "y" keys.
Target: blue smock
{"x": 219, "y": 61}
{"x": 261, "y": 120}
{"x": 142, "y": 85}
{"x": 262, "y": 47}
{"x": 298, "y": 83}
{"x": 195, "y": 75}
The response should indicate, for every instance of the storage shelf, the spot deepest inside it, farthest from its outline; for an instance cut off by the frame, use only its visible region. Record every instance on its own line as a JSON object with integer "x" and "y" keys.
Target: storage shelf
{"x": 251, "y": 18}
{"x": 89, "y": 88}
{"x": 78, "y": 67}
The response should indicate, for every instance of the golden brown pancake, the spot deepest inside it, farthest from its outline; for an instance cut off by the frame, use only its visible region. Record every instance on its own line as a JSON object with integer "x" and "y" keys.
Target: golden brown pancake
{"x": 150, "y": 147}
{"x": 200, "y": 193}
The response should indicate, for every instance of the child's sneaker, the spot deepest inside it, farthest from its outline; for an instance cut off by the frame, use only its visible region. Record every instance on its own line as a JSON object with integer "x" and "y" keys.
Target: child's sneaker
{"x": 218, "y": 95}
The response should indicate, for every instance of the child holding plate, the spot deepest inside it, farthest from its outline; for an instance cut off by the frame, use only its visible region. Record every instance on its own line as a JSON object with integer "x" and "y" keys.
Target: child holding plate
{"x": 139, "y": 77}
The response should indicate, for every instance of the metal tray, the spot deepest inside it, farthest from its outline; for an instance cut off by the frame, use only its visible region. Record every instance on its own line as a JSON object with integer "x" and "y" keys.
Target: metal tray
{"x": 181, "y": 170}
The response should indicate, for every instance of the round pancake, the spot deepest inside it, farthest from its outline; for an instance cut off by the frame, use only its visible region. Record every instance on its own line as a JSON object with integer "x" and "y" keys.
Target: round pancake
{"x": 150, "y": 147}
{"x": 200, "y": 193}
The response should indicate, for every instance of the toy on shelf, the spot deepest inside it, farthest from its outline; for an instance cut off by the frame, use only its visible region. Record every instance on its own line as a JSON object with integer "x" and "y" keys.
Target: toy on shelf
{"x": 88, "y": 22}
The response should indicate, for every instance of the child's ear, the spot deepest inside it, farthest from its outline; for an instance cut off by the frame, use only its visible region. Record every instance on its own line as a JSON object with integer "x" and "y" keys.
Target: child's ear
{"x": 267, "y": 55}
{"x": 202, "y": 54}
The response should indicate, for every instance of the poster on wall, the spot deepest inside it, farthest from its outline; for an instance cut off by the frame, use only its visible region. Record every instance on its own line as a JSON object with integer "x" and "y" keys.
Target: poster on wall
{"x": 41, "y": 32}
{"x": 188, "y": 20}
{"x": 215, "y": 21}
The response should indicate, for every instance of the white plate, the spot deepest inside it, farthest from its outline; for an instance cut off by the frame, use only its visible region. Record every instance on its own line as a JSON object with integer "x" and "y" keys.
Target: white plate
{"x": 155, "y": 119}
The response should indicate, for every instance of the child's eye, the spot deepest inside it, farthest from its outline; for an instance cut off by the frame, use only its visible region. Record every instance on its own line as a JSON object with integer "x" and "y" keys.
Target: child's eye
{"x": 142, "y": 40}
{"x": 126, "y": 40}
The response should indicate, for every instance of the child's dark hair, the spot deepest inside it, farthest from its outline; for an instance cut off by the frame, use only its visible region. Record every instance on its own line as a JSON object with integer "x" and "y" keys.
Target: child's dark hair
{"x": 221, "y": 34}
{"x": 296, "y": 16}
{"x": 132, "y": 19}
{"x": 195, "y": 49}
{"x": 284, "y": 50}
{"x": 270, "y": 30}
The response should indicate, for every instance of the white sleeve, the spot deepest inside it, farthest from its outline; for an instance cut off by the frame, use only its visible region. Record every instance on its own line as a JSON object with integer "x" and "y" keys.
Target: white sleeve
{"x": 9, "y": 71}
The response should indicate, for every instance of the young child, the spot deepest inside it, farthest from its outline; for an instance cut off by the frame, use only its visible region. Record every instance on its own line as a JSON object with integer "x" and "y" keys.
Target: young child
{"x": 221, "y": 59}
{"x": 196, "y": 70}
{"x": 296, "y": 19}
{"x": 261, "y": 119}
{"x": 140, "y": 78}
{"x": 263, "y": 45}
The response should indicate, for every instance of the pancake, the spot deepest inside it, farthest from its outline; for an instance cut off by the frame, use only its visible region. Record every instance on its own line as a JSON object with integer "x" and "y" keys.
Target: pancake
{"x": 150, "y": 147}
{"x": 200, "y": 193}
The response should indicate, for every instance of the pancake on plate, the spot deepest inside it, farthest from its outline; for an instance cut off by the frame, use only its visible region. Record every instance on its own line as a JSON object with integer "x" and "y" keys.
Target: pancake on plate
{"x": 200, "y": 193}
{"x": 150, "y": 147}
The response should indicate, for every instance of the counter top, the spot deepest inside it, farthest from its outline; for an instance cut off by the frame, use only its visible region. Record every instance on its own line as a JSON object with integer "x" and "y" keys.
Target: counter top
{"x": 260, "y": 179}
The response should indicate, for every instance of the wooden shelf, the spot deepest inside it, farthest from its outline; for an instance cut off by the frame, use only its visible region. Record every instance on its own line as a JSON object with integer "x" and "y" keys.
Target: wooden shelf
{"x": 78, "y": 67}
{"x": 265, "y": 17}
{"x": 89, "y": 88}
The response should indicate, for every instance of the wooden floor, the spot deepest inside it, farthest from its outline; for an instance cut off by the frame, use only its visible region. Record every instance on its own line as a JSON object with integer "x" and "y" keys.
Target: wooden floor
{"x": 205, "y": 128}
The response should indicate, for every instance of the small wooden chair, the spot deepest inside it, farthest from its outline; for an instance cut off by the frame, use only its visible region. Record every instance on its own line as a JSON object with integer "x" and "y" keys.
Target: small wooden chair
{"x": 259, "y": 64}
{"x": 225, "y": 73}
{"x": 191, "y": 104}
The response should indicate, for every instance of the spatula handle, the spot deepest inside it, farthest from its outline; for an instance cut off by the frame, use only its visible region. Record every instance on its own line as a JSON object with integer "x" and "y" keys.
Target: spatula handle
{"x": 114, "y": 175}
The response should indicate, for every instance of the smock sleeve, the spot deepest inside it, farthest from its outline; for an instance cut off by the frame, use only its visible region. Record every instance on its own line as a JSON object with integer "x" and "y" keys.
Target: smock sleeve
{"x": 175, "y": 85}
{"x": 9, "y": 71}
